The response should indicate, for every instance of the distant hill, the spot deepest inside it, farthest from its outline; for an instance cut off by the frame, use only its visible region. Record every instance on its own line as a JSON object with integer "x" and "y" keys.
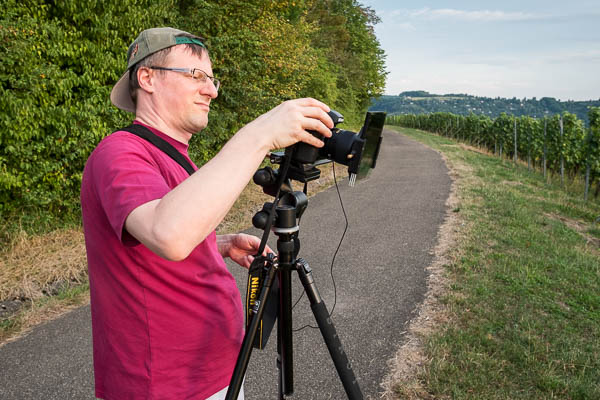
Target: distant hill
{"x": 422, "y": 102}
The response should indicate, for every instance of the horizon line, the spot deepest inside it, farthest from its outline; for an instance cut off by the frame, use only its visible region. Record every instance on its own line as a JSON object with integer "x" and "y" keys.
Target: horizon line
{"x": 494, "y": 97}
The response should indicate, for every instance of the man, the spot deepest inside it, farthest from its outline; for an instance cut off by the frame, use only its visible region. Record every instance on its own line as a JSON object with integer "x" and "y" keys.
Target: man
{"x": 167, "y": 318}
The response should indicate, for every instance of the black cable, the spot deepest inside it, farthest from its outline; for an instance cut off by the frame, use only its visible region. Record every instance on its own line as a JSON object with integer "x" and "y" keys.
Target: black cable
{"x": 340, "y": 244}
{"x": 334, "y": 255}
{"x": 299, "y": 298}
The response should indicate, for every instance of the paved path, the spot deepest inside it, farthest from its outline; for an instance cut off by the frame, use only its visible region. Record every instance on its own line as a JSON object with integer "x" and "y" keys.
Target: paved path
{"x": 379, "y": 272}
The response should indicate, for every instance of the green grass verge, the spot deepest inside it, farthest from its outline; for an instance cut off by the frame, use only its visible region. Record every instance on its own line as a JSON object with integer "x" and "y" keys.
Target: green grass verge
{"x": 524, "y": 299}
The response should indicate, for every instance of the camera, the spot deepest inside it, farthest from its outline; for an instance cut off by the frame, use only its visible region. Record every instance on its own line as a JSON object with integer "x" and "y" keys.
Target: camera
{"x": 358, "y": 151}
{"x": 347, "y": 141}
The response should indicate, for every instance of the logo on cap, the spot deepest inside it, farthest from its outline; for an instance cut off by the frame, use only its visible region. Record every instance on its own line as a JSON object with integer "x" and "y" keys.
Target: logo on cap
{"x": 134, "y": 52}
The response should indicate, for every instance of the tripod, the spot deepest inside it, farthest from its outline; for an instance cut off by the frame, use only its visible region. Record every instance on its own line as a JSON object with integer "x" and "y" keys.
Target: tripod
{"x": 280, "y": 269}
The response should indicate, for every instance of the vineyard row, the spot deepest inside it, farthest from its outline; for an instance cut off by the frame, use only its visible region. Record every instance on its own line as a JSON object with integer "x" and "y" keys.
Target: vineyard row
{"x": 559, "y": 143}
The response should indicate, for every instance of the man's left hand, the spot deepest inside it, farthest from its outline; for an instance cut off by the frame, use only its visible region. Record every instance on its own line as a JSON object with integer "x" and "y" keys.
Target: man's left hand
{"x": 240, "y": 247}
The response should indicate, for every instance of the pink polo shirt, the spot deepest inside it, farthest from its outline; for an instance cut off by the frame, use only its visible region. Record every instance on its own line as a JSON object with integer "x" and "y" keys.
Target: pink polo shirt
{"x": 161, "y": 329}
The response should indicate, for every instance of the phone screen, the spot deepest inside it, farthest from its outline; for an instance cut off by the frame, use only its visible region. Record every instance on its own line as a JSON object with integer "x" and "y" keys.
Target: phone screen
{"x": 372, "y": 133}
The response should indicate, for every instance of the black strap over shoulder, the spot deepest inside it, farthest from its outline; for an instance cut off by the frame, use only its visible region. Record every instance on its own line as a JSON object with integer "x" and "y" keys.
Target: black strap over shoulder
{"x": 162, "y": 144}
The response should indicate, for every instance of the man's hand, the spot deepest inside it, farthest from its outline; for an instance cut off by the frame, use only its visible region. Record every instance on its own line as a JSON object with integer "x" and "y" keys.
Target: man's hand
{"x": 289, "y": 122}
{"x": 240, "y": 247}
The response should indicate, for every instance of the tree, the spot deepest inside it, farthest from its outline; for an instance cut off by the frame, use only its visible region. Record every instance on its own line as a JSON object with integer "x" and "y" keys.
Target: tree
{"x": 61, "y": 59}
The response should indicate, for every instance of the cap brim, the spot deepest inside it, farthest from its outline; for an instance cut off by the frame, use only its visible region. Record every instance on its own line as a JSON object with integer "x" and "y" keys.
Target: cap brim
{"x": 120, "y": 96}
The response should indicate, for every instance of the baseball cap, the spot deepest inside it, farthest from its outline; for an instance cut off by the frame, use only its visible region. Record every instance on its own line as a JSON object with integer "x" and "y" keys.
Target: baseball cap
{"x": 148, "y": 42}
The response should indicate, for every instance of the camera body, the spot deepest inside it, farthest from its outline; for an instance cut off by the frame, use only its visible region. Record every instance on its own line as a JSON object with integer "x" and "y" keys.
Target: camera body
{"x": 340, "y": 147}
{"x": 358, "y": 151}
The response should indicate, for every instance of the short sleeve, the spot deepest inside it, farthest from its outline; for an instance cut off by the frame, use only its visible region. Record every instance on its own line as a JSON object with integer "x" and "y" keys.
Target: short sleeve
{"x": 125, "y": 176}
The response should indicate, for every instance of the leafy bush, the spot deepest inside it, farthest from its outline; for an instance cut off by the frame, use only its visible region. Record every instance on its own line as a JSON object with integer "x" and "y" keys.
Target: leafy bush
{"x": 61, "y": 59}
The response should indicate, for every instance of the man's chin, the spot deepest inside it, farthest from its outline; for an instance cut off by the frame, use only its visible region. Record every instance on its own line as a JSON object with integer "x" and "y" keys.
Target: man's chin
{"x": 198, "y": 125}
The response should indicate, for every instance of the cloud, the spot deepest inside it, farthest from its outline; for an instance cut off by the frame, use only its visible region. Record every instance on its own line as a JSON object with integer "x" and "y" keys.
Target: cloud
{"x": 464, "y": 15}
{"x": 406, "y": 26}
{"x": 570, "y": 57}
{"x": 576, "y": 56}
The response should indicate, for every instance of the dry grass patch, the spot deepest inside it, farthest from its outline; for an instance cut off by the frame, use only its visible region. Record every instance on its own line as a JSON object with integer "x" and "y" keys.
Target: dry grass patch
{"x": 475, "y": 149}
{"x": 37, "y": 312}
{"x": 580, "y": 227}
{"x": 511, "y": 183}
{"x": 33, "y": 270}
{"x": 35, "y": 266}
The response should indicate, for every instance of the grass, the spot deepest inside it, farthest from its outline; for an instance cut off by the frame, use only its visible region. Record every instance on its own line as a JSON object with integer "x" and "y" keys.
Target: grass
{"x": 523, "y": 303}
{"x": 42, "y": 309}
{"x": 43, "y": 263}
{"x": 36, "y": 264}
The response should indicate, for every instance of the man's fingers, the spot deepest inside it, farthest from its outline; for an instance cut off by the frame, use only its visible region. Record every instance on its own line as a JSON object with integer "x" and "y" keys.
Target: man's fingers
{"x": 320, "y": 115}
{"x": 310, "y": 102}
{"x": 309, "y": 108}
{"x": 315, "y": 125}
{"x": 310, "y": 139}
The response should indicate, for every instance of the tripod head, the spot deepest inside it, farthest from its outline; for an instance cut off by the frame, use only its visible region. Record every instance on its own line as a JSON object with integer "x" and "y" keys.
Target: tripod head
{"x": 286, "y": 196}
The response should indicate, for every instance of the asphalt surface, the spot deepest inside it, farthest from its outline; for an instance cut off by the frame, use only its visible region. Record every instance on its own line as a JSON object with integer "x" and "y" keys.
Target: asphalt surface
{"x": 379, "y": 273}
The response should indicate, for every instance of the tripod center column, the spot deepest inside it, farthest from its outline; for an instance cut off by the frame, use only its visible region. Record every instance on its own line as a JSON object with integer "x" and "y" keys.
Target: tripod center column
{"x": 286, "y": 229}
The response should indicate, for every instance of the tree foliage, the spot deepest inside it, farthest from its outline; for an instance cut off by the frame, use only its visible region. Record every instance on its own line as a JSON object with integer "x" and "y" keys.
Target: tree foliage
{"x": 61, "y": 58}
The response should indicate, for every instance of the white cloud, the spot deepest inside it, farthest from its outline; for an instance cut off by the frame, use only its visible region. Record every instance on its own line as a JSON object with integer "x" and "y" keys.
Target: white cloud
{"x": 464, "y": 15}
{"x": 540, "y": 58}
{"x": 571, "y": 57}
{"x": 406, "y": 26}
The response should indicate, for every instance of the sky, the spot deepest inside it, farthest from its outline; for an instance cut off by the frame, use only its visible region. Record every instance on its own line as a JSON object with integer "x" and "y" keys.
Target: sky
{"x": 526, "y": 48}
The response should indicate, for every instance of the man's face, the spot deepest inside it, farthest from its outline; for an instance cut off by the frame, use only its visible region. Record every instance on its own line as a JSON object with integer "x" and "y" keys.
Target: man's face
{"x": 181, "y": 101}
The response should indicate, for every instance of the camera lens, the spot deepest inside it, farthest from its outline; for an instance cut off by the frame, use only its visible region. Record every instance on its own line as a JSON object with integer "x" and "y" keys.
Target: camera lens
{"x": 339, "y": 147}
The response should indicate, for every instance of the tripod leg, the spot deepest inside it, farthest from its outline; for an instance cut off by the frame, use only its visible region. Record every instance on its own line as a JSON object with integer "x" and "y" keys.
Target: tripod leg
{"x": 336, "y": 351}
{"x": 241, "y": 364}
{"x": 284, "y": 334}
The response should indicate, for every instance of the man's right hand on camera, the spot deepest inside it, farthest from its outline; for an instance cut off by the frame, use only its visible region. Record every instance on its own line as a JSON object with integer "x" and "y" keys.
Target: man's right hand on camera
{"x": 289, "y": 122}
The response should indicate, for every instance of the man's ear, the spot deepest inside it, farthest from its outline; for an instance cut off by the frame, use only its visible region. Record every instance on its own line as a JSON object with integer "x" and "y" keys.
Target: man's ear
{"x": 145, "y": 78}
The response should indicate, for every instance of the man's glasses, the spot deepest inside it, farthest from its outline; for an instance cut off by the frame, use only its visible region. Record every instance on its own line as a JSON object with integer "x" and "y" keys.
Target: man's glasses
{"x": 194, "y": 73}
